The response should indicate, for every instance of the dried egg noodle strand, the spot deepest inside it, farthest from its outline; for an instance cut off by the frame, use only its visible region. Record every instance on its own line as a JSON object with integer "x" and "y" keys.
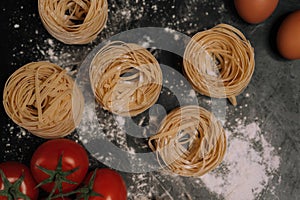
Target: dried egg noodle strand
{"x": 125, "y": 78}
{"x": 189, "y": 142}
{"x": 73, "y": 21}
{"x": 219, "y": 62}
{"x": 43, "y": 99}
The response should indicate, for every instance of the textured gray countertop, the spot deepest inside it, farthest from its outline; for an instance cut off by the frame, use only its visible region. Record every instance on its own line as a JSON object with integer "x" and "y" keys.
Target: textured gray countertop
{"x": 263, "y": 131}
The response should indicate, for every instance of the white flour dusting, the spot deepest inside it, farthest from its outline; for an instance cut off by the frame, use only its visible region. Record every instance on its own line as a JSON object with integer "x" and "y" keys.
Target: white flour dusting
{"x": 250, "y": 163}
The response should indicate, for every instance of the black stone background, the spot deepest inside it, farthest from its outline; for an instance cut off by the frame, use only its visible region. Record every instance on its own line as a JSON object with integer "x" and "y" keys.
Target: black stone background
{"x": 274, "y": 89}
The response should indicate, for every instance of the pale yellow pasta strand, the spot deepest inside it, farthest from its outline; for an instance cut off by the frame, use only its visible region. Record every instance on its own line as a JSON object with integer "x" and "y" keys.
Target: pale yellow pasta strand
{"x": 38, "y": 97}
{"x": 73, "y": 21}
{"x": 201, "y": 152}
{"x": 126, "y": 78}
{"x": 219, "y": 62}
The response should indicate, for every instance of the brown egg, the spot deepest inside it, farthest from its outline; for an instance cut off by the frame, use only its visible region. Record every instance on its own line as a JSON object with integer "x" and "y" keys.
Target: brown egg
{"x": 288, "y": 36}
{"x": 255, "y": 11}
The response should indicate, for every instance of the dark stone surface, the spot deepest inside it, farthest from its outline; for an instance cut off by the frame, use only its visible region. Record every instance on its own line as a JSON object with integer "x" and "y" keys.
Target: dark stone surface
{"x": 274, "y": 89}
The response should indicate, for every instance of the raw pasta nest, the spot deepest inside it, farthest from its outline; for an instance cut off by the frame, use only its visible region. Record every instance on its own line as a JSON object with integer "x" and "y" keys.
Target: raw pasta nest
{"x": 126, "y": 78}
{"x": 73, "y": 21}
{"x": 219, "y": 62}
{"x": 190, "y": 141}
{"x": 43, "y": 99}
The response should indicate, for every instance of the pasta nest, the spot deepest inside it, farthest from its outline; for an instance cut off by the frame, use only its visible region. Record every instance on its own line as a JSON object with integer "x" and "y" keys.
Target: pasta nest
{"x": 126, "y": 78}
{"x": 219, "y": 62}
{"x": 43, "y": 99}
{"x": 73, "y": 21}
{"x": 189, "y": 142}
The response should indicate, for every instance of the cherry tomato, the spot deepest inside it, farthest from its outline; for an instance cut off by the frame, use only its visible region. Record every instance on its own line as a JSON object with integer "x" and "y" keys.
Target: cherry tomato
{"x": 108, "y": 183}
{"x": 20, "y": 181}
{"x": 62, "y": 160}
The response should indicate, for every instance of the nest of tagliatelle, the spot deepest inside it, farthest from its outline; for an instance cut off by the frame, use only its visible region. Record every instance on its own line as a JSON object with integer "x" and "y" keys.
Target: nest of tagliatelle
{"x": 219, "y": 62}
{"x": 73, "y": 22}
{"x": 43, "y": 99}
{"x": 189, "y": 142}
{"x": 126, "y": 78}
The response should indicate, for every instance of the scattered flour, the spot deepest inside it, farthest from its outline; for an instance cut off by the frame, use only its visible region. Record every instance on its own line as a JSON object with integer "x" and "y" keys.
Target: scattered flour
{"x": 248, "y": 169}
{"x": 250, "y": 162}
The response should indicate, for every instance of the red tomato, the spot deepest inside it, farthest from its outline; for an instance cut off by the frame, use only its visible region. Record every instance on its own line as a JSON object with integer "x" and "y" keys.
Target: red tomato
{"x": 14, "y": 171}
{"x": 48, "y": 155}
{"x": 107, "y": 183}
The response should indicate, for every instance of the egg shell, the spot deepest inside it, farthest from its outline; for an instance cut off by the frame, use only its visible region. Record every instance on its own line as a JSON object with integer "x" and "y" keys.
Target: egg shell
{"x": 288, "y": 36}
{"x": 255, "y": 11}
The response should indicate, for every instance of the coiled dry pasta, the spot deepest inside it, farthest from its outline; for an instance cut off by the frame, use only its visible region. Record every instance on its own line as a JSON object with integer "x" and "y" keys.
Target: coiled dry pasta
{"x": 43, "y": 99}
{"x": 73, "y": 21}
{"x": 125, "y": 78}
{"x": 190, "y": 141}
{"x": 219, "y": 62}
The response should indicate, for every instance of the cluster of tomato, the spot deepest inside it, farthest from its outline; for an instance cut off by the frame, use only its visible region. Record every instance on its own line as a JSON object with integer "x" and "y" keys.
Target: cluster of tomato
{"x": 60, "y": 167}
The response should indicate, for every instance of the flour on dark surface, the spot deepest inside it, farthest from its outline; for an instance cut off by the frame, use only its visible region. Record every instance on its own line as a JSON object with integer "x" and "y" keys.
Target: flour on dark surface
{"x": 251, "y": 165}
